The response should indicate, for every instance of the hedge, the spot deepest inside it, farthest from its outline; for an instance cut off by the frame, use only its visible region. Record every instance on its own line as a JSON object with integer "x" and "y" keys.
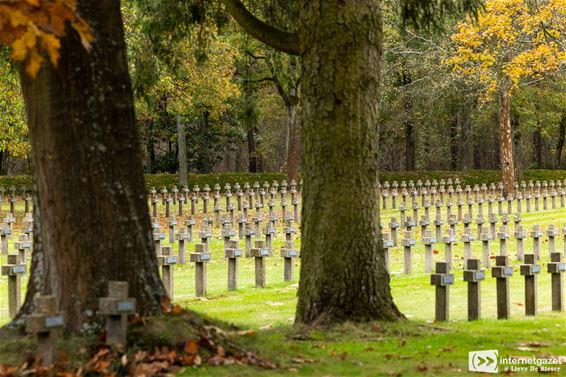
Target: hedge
{"x": 467, "y": 178}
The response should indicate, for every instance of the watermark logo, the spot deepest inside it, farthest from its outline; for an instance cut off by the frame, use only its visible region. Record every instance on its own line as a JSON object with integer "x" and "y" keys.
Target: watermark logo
{"x": 483, "y": 361}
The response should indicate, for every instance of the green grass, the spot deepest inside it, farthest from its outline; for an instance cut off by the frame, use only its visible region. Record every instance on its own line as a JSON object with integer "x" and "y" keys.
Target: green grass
{"x": 415, "y": 347}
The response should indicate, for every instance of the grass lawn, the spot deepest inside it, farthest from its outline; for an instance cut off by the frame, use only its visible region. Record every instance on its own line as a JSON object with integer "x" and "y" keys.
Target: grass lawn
{"x": 414, "y": 347}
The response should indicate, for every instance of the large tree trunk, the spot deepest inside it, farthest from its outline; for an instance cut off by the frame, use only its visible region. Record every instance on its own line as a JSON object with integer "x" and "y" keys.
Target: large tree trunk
{"x": 507, "y": 166}
{"x": 292, "y": 139}
{"x": 91, "y": 212}
{"x": 560, "y": 142}
{"x": 343, "y": 274}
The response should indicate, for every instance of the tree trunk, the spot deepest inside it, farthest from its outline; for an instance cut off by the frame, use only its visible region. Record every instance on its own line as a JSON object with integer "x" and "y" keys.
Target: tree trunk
{"x": 2, "y": 162}
{"x": 507, "y": 166}
{"x": 252, "y": 155}
{"x": 410, "y": 142}
{"x": 454, "y": 144}
{"x": 537, "y": 148}
{"x": 292, "y": 152}
{"x": 560, "y": 142}
{"x": 182, "y": 148}
{"x": 343, "y": 275}
{"x": 92, "y": 217}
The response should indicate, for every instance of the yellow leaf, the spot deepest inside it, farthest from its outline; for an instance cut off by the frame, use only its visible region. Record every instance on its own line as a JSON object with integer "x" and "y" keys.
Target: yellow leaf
{"x": 34, "y": 63}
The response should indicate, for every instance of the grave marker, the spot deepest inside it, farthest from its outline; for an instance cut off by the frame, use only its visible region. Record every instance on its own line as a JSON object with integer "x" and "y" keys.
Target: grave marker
{"x": 530, "y": 271}
{"x": 473, "y": 274}
{"x": 116, "y": 308}
{"x": 556, "y": 268}
{"x": 502, "y": 272}
{"x": 442, "y": 280}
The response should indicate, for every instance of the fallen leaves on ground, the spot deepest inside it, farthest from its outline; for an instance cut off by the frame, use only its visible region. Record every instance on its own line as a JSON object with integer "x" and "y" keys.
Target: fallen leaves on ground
{"x": 212, "y": 346}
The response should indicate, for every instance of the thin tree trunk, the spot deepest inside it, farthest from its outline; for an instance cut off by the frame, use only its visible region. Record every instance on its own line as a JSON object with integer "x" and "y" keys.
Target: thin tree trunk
{"x": 537, "y": 148}
{"x": 292, "y": 150}
{"x": 252, "y": 155}
{"x": 91, "y": 212}
{"x": 1, "y": 162}
{"x": 507, "y": 165}
{"x": 182, "y": 148}
{"x": 343, "y": 274}
{"x": 410, "y": 142}
{"x": 454, "y": 152}
{"x": 560, "y": 142}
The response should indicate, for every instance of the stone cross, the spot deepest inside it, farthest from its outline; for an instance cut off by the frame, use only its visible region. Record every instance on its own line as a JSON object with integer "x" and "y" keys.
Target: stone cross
{"x": 551, "y": 233}
{"x": 536, "y": 234}
{"x": 442, "y": 280}
{"x": 205, "y": 236}
{"x": 24, "y": 247}
{"x": 269, "y": 232}
{"x": 200, "y": 258}
{"x": 232, "y": 252}
{"x": 564, "y": 237}
{"x": 14, "y": 269}
{"x": 479, "y": 222}
{"x": 449, "y": 241}
{"x": 393, "y": 225}
{"x": 428, "y": 241}
{"x": 503, "y": 235}
{"x": 167, "y": 261}
{"x": 249, "y": 232}
{"x": 181, "y": 202}
{"x": 172, "y": 225}
{"x": 520, "y": 235}
{"x": 158, "y": 238}
{"x": 116, "y": 308}
{"x": 453, "y": 222}
{"x": 502, "y": 272}
{"x": 189, "y": 224}
{"x": 493, "y": 223}
{"x": 424, "y": 223}
{"x": 556, "y": 267}
{"x": 259, "y": 252}
{"x": 530, "y": 271}
{"x": 45, "y": 323}
{"x": 168, "y": 207}
{"x": 183, "y": 238}
{"x": 467, "y": 239}
{"x": 485, "y": 237}
{"x": 438, "y": 221}
{"x": 288, "y": 253}
{"x": 227, "y": 233}
{"x": 408, "y": 242}
{"x": 473, "y": 274}
{"x": 289, "y": 230}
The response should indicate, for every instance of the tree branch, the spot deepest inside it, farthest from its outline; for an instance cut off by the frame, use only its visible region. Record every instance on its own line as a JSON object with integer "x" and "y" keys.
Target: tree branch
{"x": 273, "y": 37}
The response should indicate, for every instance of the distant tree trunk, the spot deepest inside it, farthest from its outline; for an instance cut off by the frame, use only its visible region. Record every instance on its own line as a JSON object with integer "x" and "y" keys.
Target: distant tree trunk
{"x": 454, "y": 142}
{"x": 92, "y": 217}
{"x": 252, "y": 154}
{"x": 537, "y": 148}
{"x": 560, "y": 142}
{"x": 343, "y": 275}
{"x": 408, "y": 123}
{"x": 206, "y": 148}
{"x": 507, "y": 165}
{"x": 182, "y": 148}
{"x": 465, "y": 140}
{"x": 292, "y": 149}
{"x": 2, "y": 162}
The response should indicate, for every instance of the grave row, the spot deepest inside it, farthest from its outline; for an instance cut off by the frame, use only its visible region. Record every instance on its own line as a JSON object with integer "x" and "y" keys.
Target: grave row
{"x": 442, "y": 279}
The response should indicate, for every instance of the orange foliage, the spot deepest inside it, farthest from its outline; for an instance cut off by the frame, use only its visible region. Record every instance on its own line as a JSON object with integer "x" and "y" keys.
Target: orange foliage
{"x": 33, "y": 29}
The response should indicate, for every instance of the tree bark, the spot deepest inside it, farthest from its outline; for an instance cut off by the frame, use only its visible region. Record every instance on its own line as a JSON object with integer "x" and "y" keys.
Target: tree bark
{"x": 2, "y": 162}
{"x": 252, "y": 155}
{"x": 537, "y": 148}
{"x": 182, "y": 148}
{"x": 454, "y": 152}
{"x": 292, "y": 139}
{"x": 507, "y": 165}
{"x": 560, "y": 142}
{"x": 410, "y": 137}
{"x": 92, "y": 217}
{"x": 343, "y": 275}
